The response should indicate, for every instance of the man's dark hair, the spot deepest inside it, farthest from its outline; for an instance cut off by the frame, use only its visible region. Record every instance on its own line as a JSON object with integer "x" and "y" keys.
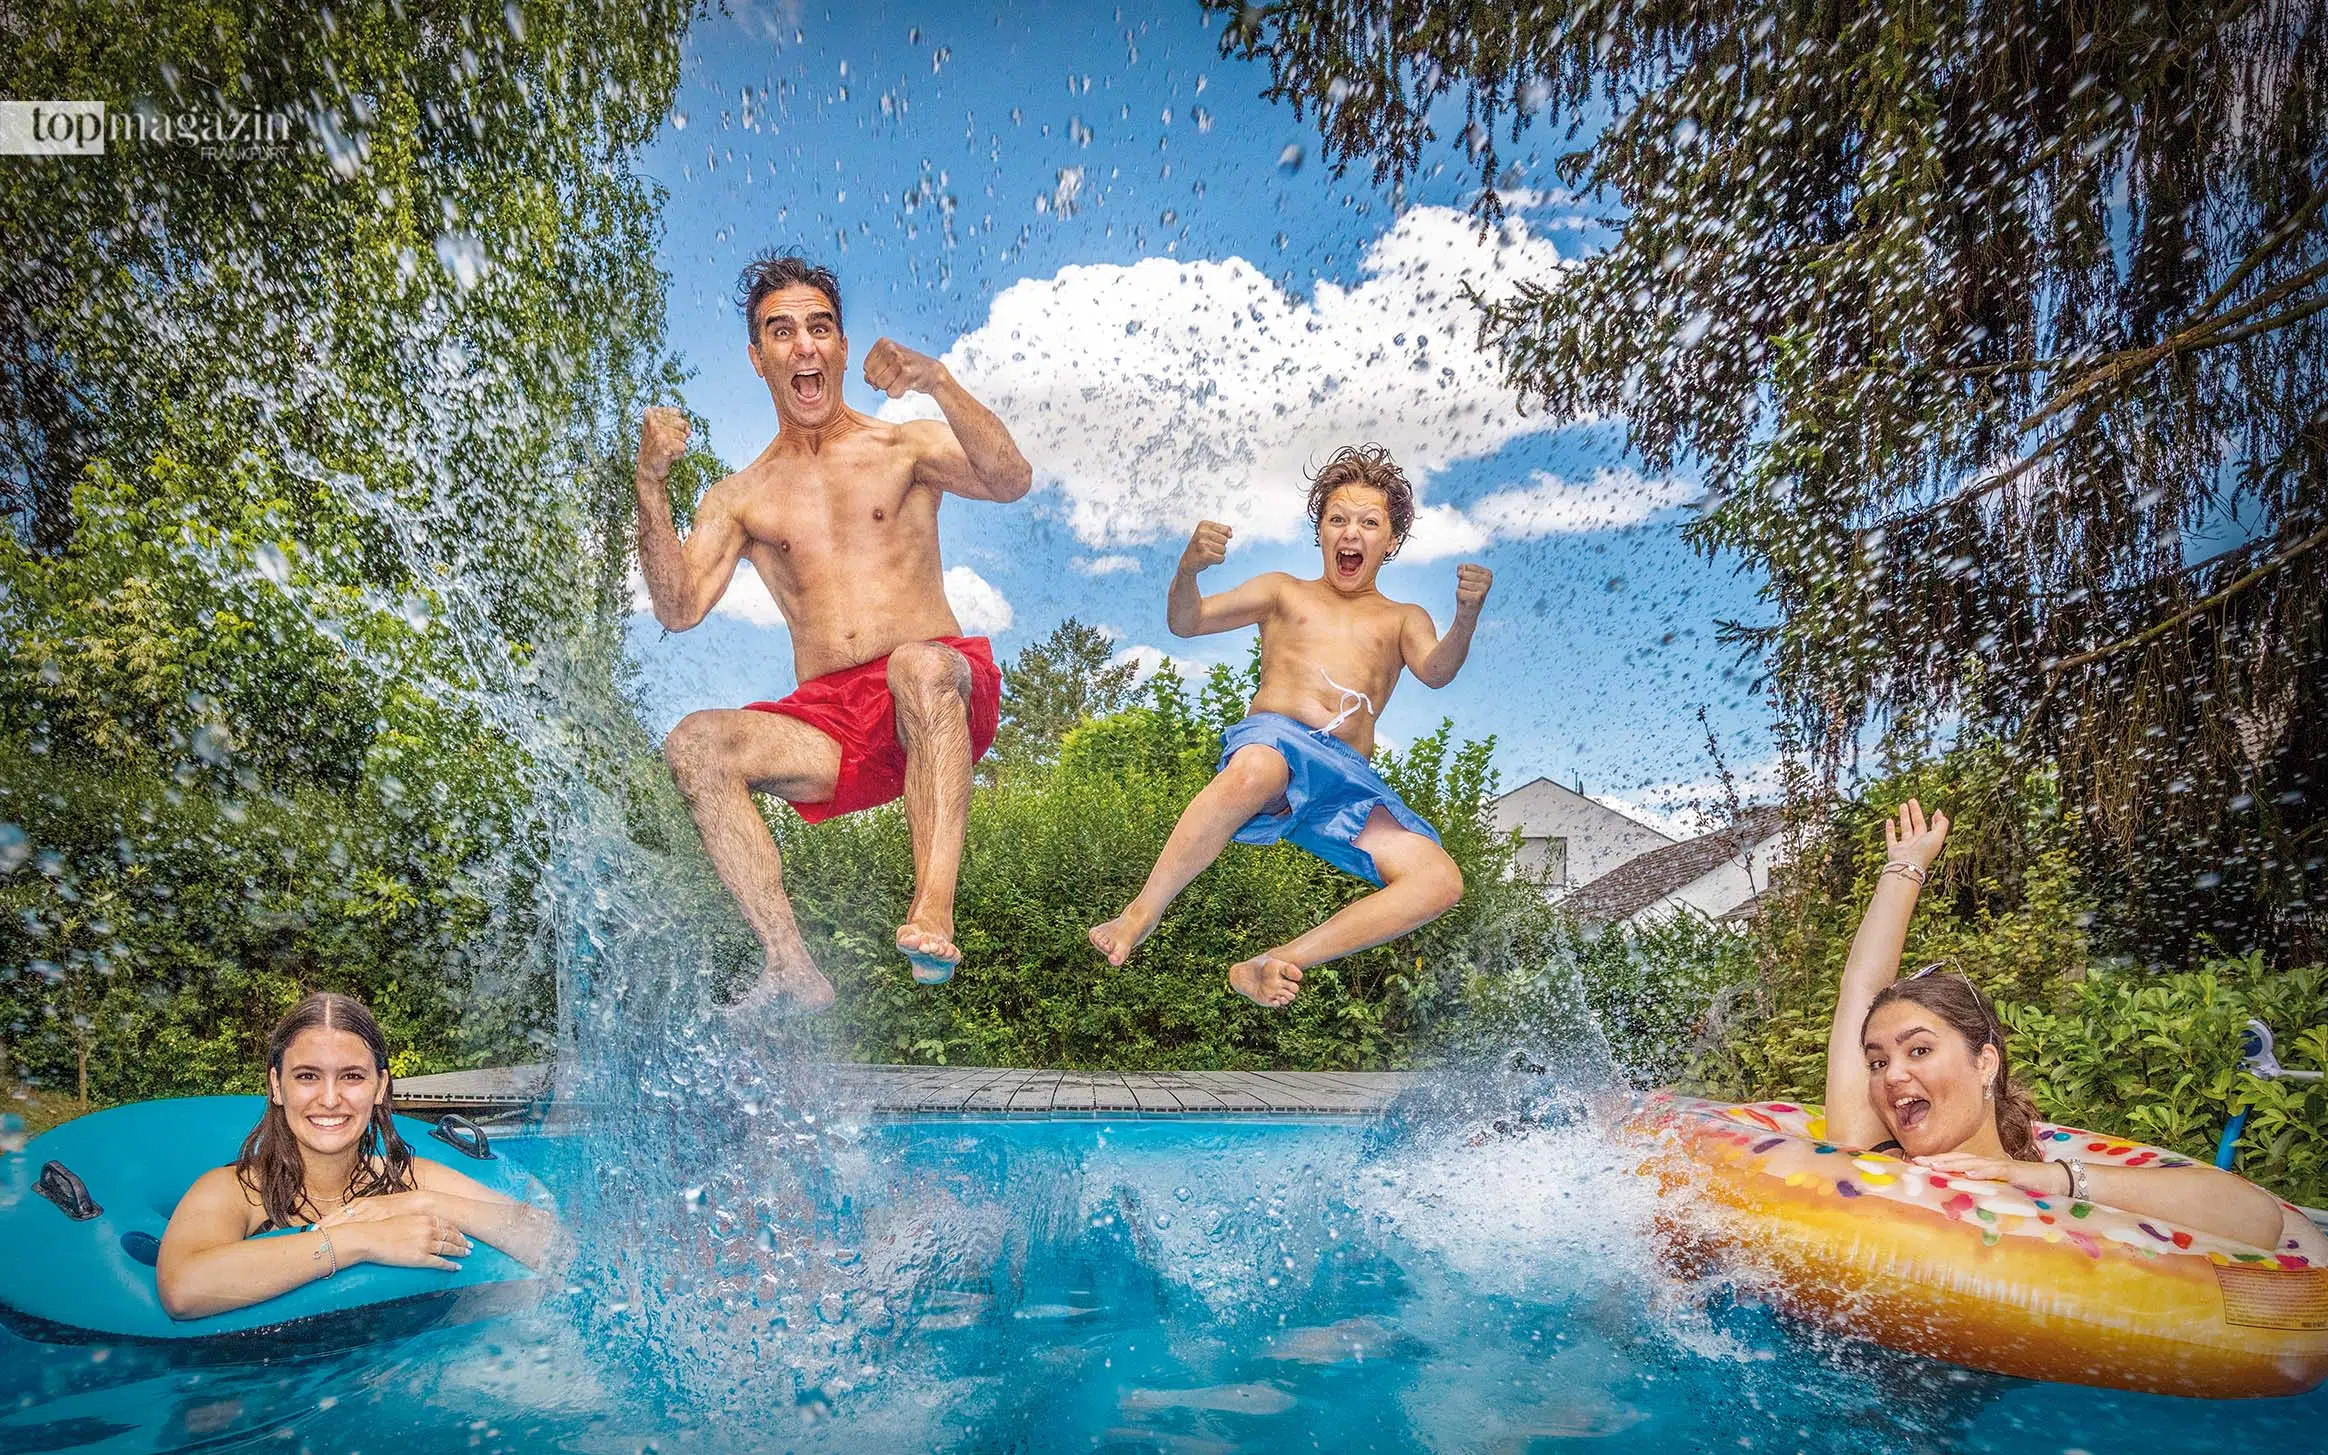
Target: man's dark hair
{"x": 1365, "y": 465}
{"x": 773, "y": 272}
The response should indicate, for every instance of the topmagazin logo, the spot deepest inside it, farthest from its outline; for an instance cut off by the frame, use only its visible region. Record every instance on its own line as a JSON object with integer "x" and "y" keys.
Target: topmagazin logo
{"x": 83, "y": 128}
{"x": 52, "y": 128}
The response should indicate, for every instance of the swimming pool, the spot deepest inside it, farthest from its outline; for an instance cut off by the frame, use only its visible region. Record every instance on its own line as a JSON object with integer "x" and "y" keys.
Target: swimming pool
{"x": 1168, "y": 1285}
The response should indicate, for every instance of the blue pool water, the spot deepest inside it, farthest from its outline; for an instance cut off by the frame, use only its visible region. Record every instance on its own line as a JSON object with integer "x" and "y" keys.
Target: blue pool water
{"x": 1090, "y": 1285}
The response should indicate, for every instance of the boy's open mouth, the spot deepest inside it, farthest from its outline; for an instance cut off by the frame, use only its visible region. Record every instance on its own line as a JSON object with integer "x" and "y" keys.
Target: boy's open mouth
{"x": 1349, "y": 562}
{"x": 808, "y": 386}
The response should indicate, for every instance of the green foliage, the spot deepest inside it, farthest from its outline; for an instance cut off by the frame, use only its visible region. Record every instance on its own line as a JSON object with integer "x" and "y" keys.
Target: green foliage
{"x": 1054, "y": 848}
{"x": 301, "y": 446}
{"x": 2158, "y": 1057}
{"x": 1055, "y": 685}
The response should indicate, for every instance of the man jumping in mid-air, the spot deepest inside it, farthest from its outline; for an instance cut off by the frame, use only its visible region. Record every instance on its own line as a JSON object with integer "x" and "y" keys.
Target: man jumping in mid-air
{"x": 839, "y": 515}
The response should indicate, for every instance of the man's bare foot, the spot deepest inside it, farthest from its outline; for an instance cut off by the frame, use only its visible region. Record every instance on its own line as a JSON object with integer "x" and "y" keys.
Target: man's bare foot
{"x": 1125, "y": 933}
{"x": 786, "y": 990}
{"x": 1266, "y": 980}
{"x": 931, "y": 953}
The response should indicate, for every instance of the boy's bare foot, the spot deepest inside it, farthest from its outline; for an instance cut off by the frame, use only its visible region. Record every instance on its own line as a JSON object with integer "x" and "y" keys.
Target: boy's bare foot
{"x": 786, "y": 989}
{"x": 1266, "y": 980}
{"x": 1125, "y": 933}
{"x": 931, "y": 952}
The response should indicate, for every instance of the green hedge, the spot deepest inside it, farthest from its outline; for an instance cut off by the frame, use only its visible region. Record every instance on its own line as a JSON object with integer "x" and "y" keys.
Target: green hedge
{"x": 1056, "y": 847}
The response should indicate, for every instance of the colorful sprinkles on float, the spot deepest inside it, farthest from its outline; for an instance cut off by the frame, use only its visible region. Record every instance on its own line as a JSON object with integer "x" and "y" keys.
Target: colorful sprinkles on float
{"x": 1986, "y": 1274}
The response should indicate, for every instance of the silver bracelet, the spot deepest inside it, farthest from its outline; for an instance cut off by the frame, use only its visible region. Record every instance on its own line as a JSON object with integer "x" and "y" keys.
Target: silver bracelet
{"x": 323, "y": 1250}
{"x": 1905, "y": 870}
{"x": 2079, "y": 1191}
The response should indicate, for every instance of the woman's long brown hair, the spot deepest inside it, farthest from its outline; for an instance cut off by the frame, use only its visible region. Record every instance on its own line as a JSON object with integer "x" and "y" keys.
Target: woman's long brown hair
{"x": 1955, "y": 1000}
{"x": 270, "y": 1166}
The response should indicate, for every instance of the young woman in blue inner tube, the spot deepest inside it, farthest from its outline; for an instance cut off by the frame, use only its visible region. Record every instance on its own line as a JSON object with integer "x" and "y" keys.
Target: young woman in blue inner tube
{"x": 326, "y": 1158}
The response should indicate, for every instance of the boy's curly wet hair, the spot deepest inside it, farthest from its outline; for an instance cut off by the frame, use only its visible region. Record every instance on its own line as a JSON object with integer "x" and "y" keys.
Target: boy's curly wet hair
{"x": 1369, "y": 465}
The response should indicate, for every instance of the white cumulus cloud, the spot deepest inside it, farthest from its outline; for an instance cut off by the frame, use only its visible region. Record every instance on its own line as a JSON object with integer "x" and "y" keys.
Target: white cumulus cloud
{"x": 1106, "y": 565}
{"x": 1546, "y": 505}
{"x": 978, "y": 605}
{"x": 1148, "y": 660}
{"x": 1159, "y": 393}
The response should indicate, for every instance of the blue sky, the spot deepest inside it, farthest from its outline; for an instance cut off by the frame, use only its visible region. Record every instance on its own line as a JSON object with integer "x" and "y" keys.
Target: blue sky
{"x": 1140, "y": 264}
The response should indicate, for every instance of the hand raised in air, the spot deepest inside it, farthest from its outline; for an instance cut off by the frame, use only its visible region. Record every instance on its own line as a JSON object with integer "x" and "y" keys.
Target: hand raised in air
{"x": 662, "y": 440}
{"x": 896, "y": 370}
{"x": 1208, "y": 545}
{"x": 1909, "y": 838}
{"x": 1471, "y": 585}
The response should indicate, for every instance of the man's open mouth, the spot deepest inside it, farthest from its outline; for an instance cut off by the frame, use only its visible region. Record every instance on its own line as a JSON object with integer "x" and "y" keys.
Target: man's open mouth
{"x": 808, "y": 386}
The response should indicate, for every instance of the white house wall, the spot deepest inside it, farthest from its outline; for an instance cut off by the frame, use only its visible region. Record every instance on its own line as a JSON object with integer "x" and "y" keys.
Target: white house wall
{"x": 1599, "y": 837}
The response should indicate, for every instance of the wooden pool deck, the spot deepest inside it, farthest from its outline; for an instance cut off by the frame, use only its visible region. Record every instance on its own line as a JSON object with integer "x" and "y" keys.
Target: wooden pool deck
{"x": 991, "y": 1091}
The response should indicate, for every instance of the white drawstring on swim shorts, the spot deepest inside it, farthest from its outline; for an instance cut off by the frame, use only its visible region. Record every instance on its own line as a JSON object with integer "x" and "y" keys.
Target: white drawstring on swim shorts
{"x": 1348, "y": 708}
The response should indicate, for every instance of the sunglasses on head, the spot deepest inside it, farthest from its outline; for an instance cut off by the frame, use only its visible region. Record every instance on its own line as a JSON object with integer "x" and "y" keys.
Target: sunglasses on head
{"x": 1978, "y": 999}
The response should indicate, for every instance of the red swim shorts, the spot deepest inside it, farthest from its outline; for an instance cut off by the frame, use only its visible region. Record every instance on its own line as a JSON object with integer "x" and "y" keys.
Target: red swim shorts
{"x": 853, "y": 708}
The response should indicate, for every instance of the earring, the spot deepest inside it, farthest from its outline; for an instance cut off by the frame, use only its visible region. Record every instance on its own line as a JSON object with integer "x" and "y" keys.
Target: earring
{"x": 1988, "y": 1091}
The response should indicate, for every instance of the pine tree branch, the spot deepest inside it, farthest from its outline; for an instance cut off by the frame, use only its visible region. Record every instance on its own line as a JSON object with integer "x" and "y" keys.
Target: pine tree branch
{"x": 2279, "y": 320}
{"x": 2123, "y": 366}
{"x": 2054, "y": 673}
{"x": 2272, "y": 244}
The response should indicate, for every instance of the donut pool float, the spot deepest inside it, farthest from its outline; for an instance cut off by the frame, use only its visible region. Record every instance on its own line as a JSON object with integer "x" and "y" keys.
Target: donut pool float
{"x": 1984, "y": 1274}
{"x": 82, "y": 1218}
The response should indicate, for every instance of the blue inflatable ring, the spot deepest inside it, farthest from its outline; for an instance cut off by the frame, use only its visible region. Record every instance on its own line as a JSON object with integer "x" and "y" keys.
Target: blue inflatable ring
{"x": 76, "y": 1275}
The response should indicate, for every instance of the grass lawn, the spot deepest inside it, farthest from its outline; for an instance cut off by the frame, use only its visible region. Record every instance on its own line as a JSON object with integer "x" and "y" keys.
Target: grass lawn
{"x": 41, "y": 1109}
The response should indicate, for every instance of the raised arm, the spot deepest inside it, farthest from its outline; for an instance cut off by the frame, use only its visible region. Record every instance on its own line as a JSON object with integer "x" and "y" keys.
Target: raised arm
{"x": 1435, "y": 659}
{"x": 1190, "y": 613}
{"x": 1874, "y": 962}
{"x": 686, "y": 579}
{"x": 972, "y": 453}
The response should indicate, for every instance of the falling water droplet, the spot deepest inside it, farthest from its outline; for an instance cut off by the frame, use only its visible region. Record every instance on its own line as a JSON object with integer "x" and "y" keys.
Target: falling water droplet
{"x": 1289, "y": 161}
{"x": 463, "y": 256}
{"x": 211, "y": 744}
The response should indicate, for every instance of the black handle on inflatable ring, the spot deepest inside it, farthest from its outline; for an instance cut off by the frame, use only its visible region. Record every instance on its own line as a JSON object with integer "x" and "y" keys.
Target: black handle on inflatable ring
{"x": 62, "y": 1186}
{"x": 463, "y": 1136}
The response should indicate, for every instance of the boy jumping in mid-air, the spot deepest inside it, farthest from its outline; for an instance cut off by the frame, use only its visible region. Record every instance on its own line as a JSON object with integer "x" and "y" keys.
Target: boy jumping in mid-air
{"x": 1295, "y": 768}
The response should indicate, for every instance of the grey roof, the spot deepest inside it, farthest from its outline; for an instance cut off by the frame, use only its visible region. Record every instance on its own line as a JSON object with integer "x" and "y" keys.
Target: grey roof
{"x": 1638, "y": 883}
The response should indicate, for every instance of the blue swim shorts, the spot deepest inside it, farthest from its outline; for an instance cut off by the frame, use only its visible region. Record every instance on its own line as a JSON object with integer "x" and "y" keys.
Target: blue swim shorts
{"x": 1329, "y": 793}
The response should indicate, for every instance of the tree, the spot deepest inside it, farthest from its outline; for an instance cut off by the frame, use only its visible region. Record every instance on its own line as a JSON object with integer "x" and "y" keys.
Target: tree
{"x": 1054, "y": 686}
{"x": 306, "y": 446}
{"x": 1976, "y": 319}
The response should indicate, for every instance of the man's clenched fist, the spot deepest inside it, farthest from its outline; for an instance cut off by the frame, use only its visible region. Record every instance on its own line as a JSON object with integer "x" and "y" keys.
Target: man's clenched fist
{"x": 1208, "y": 545}
{"x": 1471, "y": 583}
{"x": 662, "y": 440}
{"x": 896, "y": 370}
